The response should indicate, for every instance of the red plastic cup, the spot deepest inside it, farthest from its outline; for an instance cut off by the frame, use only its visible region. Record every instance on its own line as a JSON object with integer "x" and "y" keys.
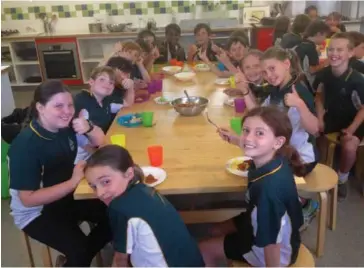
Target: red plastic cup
{"x": 239, "y": 105}
{"x": 155, "y": 153}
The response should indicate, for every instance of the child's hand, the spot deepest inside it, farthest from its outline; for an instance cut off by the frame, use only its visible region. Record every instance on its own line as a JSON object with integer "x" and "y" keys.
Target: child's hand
{"x": 321, "y": 125}
{"x": 225, "y": 134}
{"x": 216, "y": 49}
{"x": 347, "y": 132}
{"x": 155, "y": 53}
{"x": 139, "y": 84}
{"x": 128, "y": 84}
{"x": 80, "y": 125}
{"x": 78, "y": 172}
{"x": 203, "y": 56}
{"x": 192, "y": 50}
{"x": 223, "y": 57}
{"x": 292, "y": 99}
{"x": 241, "y": 81}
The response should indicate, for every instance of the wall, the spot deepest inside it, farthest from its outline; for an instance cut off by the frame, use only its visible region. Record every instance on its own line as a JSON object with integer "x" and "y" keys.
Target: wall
{"x": 75, "y": 15}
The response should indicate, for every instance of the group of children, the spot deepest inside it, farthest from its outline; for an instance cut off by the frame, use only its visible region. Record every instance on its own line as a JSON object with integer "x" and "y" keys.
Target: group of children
{"x": 291, "y": 99}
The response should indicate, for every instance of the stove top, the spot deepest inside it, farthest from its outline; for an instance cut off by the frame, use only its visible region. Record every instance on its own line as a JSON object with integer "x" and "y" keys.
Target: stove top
{"x": 9, "y": 32}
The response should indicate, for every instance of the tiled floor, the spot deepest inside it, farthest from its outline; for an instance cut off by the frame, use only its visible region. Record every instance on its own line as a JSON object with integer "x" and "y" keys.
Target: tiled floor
{"x": 343, "y": 247}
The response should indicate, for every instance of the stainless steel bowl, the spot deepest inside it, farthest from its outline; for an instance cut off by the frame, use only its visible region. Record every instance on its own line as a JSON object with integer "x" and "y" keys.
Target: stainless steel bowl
{"x": 199, "y": 104}
{"x": 119, "y": 27}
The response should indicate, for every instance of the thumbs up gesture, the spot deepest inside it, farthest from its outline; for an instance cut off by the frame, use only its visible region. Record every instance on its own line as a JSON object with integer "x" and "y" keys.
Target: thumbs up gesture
{"x": 80, "y": 124}
{"x": 292, "y": 99}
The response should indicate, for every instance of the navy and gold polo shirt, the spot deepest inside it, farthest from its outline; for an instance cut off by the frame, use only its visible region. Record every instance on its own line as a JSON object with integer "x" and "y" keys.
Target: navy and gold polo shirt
{"x": 301, "y": 140}
{"x": 275, "y": 211}
{"x": 38, "y": 158}
{"x": 357, "y": 65}
{"x": 343, "y": 95}
{"x": 146, "y": 226}
{"x": 101, "y": 116}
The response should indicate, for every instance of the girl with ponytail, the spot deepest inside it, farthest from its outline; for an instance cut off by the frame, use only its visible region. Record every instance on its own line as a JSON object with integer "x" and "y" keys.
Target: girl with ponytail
{"x": 267, "y": 234}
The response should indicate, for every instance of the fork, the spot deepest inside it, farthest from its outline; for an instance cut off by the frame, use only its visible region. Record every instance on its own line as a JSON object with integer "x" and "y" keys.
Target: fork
{"x": 210, "y": 121}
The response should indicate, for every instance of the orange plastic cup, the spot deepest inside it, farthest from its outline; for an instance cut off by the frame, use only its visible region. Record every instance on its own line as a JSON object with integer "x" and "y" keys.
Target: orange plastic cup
{"x": 155, "y": 154}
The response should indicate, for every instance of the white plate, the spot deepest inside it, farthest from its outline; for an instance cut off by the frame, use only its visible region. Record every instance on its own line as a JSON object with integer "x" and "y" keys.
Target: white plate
{"x": 202, "y": 67}
{"x": 222, "y": 81}
{"x": 229, "y": 102}
{"x": 172, "y": 69}
{"x": 232, "y": 166}
{"x": 158, "y": 173}
{"x": 158, "y": 101}
{"x": 185, "y": 76}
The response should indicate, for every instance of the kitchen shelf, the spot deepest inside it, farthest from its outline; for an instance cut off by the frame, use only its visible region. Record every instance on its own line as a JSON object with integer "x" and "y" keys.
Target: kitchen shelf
{"x": 26, "y": 62}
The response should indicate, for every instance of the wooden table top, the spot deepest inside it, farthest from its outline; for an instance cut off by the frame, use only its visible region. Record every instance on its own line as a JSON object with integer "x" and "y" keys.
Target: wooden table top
{"x": 194, "y": 154}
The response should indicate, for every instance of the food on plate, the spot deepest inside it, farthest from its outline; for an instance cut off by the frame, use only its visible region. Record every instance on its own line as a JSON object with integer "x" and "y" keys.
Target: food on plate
{"x": 150, "y": 179}
{"x": 244, "y": 166}
{"x": 202, "y": 67}
{"x": 135, "y": 119}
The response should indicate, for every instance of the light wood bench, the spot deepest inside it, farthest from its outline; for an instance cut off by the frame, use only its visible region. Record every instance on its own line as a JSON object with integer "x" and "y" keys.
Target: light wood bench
{"x": 304, "y": 259}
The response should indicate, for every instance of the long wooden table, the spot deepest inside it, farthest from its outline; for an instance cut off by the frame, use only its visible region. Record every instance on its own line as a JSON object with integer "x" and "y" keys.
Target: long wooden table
{"x": 194, "y": 154}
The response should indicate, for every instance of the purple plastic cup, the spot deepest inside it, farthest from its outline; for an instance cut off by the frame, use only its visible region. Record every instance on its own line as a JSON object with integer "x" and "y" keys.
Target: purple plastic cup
{"x": 152, "y": 87}
{"x": 239, "y": 105}
{"x": 159, "y": 84}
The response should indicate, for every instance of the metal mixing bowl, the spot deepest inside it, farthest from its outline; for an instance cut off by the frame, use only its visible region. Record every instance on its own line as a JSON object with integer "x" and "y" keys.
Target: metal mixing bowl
{"x": 199, "y": 104}
{"x": 119, "y": 27}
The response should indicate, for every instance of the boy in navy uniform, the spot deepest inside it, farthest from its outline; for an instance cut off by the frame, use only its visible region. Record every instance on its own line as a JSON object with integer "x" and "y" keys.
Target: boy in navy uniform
{"x": 145, "y": 226}
{"x": 357, "y": 61}
{"x": 339, "y": 103}
{"x": 294, "y": 38}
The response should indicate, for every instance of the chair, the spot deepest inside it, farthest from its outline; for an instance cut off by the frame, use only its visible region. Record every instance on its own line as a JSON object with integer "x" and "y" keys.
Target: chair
{"x": 332, "y": 140}
{"x": 323, "y": 181}
{"x": 46, "y": 253}
{"x": 304, "y": 259}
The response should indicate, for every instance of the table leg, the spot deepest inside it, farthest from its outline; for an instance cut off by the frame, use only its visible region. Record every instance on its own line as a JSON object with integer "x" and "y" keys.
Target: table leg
{"x": 332, "y": 208}
{"x": 322, "y": 221}
{"x": 46, "y": 255}
{"x": 29, "y": 249}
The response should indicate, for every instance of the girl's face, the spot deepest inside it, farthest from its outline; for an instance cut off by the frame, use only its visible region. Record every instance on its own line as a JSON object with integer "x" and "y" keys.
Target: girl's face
{"x": 275, "y": 72}
{"x": 258, "y": 140}
{"x": 102, "y": 86}
{"x": 202, "y": 37}
{"x": 237, "y": 51}
{"x": 107, "y": 182}
{"x": 252, "y": 69}
{"x": 338, "y": 52}
{"x": 359, "y": 51}
{"x": 57, "y": 113}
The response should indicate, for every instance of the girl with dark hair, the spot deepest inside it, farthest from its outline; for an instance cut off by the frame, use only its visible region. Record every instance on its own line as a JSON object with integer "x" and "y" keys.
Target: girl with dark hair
{"x": 170, "y": 48}
{"x": 267, "y": 234}
{"x": 43, "y": 178}
{"x": 151, "y": 53}
{"x": 145, "y": 226}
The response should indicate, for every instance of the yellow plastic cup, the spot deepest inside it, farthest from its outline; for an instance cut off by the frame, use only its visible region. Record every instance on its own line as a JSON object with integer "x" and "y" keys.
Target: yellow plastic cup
{"x": 118, "y": 139}
{"x": 232, "y": 81}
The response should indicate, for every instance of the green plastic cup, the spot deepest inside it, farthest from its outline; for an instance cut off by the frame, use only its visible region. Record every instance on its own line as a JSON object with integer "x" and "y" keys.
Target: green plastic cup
{"x": 147, "y": 119}
{"x": 235, "y": 125}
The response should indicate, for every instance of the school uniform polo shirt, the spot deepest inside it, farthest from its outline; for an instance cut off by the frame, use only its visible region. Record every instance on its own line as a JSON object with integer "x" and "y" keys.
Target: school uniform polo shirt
{"x": 275, "y": 212}
{"x": 101, "y": 116}
{"x": 38, "y": 158}
{"x": 343, "y": 97}
{"x": 146, "y": 226}
{"x": 290, "y": 40}
{"x": 357, "y": 65}
{"x": 301, "y": 140}
{"x": 308, "y": 55}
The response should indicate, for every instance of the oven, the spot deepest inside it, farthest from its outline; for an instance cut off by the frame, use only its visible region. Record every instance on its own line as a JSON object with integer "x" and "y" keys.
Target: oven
{"x": 59, "y": 60}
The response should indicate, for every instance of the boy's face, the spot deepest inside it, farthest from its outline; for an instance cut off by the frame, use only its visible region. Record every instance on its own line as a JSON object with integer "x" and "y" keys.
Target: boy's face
{"x": 172, "y": 37}
{"x": 320, "y": 38}
{"x": 359, "y": 51}
{"x": 132, "y": 55}
{"x": 338, "y": 52}
{"x": 107, "y": 182}
{"x": 313, "y": 14}
{"x": 236, "y": 51}
{"x": 102, "y": 86}
{"x": 202, "y": 37}
{"x": 275, "y": 71}
{"x": 252, "y": 69}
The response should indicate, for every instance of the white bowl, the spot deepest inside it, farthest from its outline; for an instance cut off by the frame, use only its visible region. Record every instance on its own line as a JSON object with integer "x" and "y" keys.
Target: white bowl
{"x": 171, "y": 69}
{"x": 202, "y": 67}
{"x": 185, "y": 76}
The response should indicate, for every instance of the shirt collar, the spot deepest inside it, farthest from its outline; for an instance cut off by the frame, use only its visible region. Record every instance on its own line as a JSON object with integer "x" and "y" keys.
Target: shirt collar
{"x": 345, "y": 76}
{"x": 41, "y": 131}
{"x": 271, "y": 167}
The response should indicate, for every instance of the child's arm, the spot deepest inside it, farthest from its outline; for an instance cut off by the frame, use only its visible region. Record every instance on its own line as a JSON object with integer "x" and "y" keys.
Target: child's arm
{"x": 320, "y": 110}
{"x": 213, "y": 67}
{"x": 120, "y": 260}
{"x": 358, "y": 120}
{"x": 272, "y": 255}
{"x": 248, "y": 95}
{"x": 129, "y": 97}
{"x": 143, "y": 70}
{"x": 224, "y": 59}
{"x": 308, "y": 120}
{"x": 228, "y": 136}
{"x": 117, "y": 49}
{"x": 191, "y": 53}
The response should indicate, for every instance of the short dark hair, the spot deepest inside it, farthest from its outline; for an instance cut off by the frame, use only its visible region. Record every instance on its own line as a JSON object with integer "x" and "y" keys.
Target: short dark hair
{"x": 120, "y": 63}
{"x": 309, "y": 8}
{"x": 358, "y": 38}
{"x": 235, "y": 39}
{"x": 316, "y": 27}
{"x": 173, "y": 27}
{"x": 201, "y": 26}
{"x": 300, "y": 23}
{"x": 145, "y": 33}
{"x": 242, "y": 34}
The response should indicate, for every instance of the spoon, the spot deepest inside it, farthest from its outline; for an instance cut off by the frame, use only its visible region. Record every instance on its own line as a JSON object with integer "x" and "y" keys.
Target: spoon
{"x": 188, "y": 96}
{"x": 210, "y": 121}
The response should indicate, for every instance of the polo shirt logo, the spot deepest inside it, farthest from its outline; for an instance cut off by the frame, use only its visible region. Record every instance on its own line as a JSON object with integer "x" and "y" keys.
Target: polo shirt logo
{"x": 356, "y": 100}
{"x": 71, "y": 144}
